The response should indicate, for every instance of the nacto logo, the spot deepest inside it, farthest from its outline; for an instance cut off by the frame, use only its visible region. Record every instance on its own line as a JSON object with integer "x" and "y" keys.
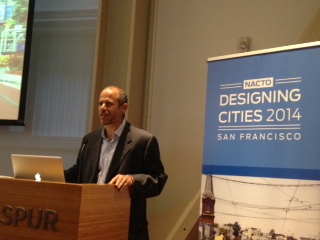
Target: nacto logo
{"x": 258, "y": 83}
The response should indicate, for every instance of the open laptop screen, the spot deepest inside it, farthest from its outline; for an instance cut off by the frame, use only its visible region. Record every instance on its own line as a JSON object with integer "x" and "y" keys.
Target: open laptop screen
{"x": 38, "y": 168}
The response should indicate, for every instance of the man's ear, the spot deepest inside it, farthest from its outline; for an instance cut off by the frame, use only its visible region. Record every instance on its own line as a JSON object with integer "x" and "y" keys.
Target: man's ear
{"x": 125, "y": 107}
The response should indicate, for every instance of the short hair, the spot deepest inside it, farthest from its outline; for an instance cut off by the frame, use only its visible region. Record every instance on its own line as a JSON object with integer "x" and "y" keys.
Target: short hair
{"x": 123, "y": 98}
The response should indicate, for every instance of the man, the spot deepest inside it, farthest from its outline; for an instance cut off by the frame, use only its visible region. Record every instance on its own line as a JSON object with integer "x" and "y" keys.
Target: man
{"x": 123, "y": 155}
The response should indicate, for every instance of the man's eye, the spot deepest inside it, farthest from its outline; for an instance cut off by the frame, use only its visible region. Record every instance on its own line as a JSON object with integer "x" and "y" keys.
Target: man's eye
{"x": 105, "y": 103}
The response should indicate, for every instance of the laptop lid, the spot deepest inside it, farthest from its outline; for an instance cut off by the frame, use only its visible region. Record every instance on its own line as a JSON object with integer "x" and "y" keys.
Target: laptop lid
{"x": 38, "y": 168}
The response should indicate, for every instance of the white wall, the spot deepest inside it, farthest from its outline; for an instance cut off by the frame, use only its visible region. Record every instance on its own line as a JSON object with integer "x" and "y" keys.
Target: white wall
{"x": 186, "y": 34}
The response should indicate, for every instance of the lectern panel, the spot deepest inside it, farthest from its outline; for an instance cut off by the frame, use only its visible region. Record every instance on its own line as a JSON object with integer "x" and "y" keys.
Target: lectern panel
{"x": 46, "y": 210}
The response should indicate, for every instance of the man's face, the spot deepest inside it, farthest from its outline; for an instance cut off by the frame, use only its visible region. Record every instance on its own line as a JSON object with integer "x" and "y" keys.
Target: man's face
{"x": 109, "y": 110}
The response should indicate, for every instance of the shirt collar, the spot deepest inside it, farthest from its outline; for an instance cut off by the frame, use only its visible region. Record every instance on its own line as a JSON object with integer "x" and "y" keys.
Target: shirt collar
{"x": 117, "y": 132}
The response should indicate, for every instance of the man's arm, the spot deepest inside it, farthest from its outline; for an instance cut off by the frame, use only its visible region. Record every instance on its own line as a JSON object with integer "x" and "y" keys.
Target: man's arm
{"x": 151, "y": 180}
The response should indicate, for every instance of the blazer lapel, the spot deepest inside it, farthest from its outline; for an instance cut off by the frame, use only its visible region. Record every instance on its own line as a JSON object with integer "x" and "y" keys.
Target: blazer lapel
{"x": 96, "y": 148}
{"x": 120, "y": 152}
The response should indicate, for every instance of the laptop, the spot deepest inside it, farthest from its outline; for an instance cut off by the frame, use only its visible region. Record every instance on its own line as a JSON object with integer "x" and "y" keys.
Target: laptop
{"x": 38, "y": 168}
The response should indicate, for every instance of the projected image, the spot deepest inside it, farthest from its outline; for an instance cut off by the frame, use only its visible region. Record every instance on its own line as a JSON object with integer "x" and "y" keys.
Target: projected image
{"x": 13, "y": 33}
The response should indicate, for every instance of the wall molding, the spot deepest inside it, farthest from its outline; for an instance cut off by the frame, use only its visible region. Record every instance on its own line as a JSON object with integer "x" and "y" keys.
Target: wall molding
{"x": 312, "y": 33}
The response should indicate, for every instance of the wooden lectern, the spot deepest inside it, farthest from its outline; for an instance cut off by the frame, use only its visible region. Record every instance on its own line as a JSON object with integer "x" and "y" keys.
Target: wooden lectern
{"x": 47, "y": 210}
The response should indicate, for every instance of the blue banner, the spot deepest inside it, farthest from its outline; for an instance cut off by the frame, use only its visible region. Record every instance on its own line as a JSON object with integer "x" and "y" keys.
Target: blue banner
{"x": 262, "y": 115}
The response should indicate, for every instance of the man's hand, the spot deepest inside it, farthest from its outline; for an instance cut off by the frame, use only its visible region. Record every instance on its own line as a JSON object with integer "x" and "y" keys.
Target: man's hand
{"x": 122, "y": 180}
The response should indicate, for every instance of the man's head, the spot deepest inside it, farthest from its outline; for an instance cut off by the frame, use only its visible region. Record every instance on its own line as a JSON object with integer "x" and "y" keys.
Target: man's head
{"x": 113, "y": 104}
